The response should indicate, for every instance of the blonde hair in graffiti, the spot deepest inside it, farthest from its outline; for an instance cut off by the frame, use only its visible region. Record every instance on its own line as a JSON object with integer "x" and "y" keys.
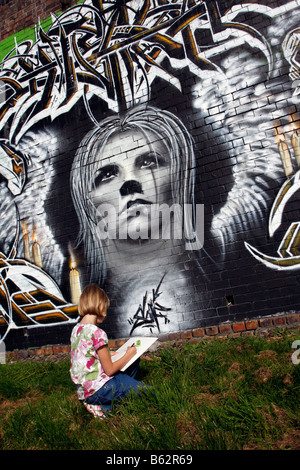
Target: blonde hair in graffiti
{"x": 176, "y": 138}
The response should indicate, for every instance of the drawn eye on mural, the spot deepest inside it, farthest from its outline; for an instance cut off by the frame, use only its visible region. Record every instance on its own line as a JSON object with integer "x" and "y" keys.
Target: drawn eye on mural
{"x": 137, "y": 181}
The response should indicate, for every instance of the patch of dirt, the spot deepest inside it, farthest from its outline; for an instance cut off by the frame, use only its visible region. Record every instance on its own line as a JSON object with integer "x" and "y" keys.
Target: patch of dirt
{"x": 277, "y": 418}
{"x": 187, "y": 431}
{"x": 290, "y": 440}
{"x": 288, "y": 379}
{"x": 208, "y": 398}
{"x": 263, "y": 375}
{"x": 9, "y": 406}
{"x": 266, "y": 354}
{"x": 235, "y": 368}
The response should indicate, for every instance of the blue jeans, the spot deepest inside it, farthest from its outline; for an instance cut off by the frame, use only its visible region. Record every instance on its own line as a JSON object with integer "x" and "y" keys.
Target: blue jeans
{"x": 116, "y": 388}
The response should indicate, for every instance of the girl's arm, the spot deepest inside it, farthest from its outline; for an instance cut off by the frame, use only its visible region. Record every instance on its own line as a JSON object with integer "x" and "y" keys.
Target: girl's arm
{"x": 109, "y": 367}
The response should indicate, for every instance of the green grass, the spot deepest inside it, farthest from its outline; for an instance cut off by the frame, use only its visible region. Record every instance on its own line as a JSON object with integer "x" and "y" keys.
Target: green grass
{"x": 224, "y": 394}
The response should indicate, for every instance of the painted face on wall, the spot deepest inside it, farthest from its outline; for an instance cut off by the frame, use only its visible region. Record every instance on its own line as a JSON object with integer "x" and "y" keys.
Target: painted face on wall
{"x": 131, "y": 180}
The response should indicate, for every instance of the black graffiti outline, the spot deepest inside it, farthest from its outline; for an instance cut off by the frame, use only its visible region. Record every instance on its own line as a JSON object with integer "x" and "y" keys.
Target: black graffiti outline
{"x": 92, "y": 51}
{"x": 150, "y": 312}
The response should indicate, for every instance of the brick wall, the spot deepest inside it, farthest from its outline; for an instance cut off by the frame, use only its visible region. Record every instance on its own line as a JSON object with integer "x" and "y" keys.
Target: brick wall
{"x": 220, "y": 127}
{"x": 260, "y": 327}
{"x": 17, "y": 15}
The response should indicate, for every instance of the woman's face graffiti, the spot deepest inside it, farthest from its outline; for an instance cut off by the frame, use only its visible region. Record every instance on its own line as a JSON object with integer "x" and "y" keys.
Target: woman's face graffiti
{"x": 132, "y": 178}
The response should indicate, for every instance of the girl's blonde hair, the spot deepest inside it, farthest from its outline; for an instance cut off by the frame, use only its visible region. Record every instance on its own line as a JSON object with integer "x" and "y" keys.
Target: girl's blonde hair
{"x": 93, "y": 301}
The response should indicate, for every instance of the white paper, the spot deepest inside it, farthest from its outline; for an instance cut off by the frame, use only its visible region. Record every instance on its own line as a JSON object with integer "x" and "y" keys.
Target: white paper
{"x": 145, "y": 343}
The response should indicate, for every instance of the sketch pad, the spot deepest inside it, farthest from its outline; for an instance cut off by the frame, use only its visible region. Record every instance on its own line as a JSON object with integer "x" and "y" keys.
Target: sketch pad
{"x": 143, "y": 343}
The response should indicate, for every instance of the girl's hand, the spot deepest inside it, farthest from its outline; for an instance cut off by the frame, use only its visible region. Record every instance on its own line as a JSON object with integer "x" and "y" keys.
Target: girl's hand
{"x": 131, "y": 350}
{"x": 109, "y": 367}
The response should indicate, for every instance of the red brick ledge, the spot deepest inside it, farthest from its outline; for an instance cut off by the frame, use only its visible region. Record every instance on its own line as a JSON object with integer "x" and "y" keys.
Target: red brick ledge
{"x": 257, "y": 326}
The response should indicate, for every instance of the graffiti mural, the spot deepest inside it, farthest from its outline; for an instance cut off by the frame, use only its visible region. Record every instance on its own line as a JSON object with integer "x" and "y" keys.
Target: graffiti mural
{"x": 151, "y": 147}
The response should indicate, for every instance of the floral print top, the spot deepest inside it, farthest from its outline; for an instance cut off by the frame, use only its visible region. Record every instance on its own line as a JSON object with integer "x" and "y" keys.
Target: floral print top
{"x": 86, "y": 370}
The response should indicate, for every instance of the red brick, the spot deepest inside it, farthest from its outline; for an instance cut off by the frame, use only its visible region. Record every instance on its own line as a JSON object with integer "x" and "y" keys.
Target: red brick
{"x": 10, "y": 355}
{"x": 251, "y": 325}
{"x": 265, "y": 322}
{"x": 295, "y": 318}
{"x": 40, "y": 352}
{"x": 239, "y": 326}
{"x": 57, "y": 349}
{"x": 197, "y": 332}
{"x": 279, "y": 321}
{"x": 225, "y": 329}
{"x": 48, "y": 350}
{"x": 174, "y": 336}
{"x": 186, "y": 334}
{"x": 211, "y": 330}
